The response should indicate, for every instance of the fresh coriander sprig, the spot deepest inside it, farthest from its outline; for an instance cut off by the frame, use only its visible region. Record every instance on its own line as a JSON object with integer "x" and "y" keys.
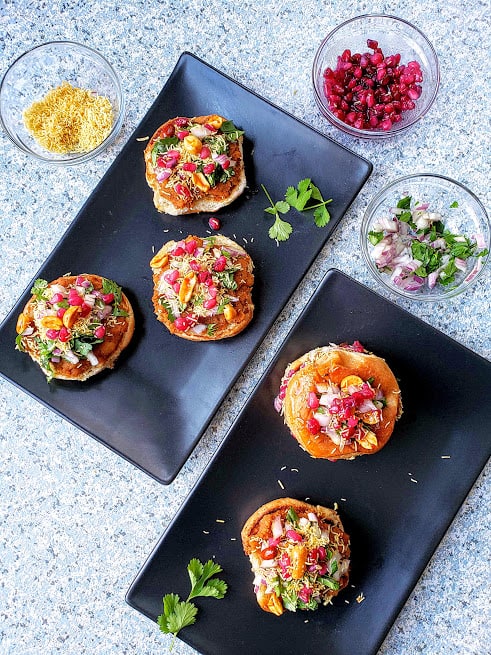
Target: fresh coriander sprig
{"x": 302, "y": 197}
{"x": 305, "y": 196}
{"x": 280, "y": 230}
{"x": 178, "y": 614}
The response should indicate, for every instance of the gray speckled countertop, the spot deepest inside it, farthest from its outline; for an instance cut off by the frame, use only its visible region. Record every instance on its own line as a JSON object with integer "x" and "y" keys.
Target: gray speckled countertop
{"x": 77, "y": 521}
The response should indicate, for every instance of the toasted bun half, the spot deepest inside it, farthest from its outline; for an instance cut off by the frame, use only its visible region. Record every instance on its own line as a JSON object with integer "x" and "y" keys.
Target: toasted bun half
{"x": 304, "y": 546}
{"x": 340, "y": 402}
{"x": 195, "y": 164}
{"x": 75, "y": 326}
{"x": 203, "y": 287}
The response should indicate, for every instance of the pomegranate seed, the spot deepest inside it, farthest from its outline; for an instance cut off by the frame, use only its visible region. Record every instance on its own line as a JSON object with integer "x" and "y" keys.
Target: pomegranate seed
{"x": 189, "y": 166}
{"x": 209, "y": 303}
{"x": 205, "y": 152}
{"x": 60, "y": 312}
{"x": 85, "y": 310}
{"x": 220, "y": 264}
{"x": 75, "y": 300}
{"x": 371, "y": 91}
{"x": 169, "y": 130}
{"x": 99, "y": 332}
{"x": 212, "y": 292}
{"x": 182, "y": 190}
{"x": 203, "y": 276}
{"x": 313, "y": 401}
{"x": 214, "y": 222}
{"x": 108, "y": 298}
{"x": 178, "y": 251}
{"x": 52, "y": 334}
{"x": 171, "y": 276}
{"x": 225, "y": 164}
{"x": 194, "y": 265}
{"x": 208, "y": 168}
{"x": 64, "y": 334}
{"x": 181, "y": 121}
{"x": 176, "y": 286}
{"x": 313, "y": 426}
{"x": 182, "y": 323}
{"x": 182, "y": 134}
{"x": 191, "y": 246}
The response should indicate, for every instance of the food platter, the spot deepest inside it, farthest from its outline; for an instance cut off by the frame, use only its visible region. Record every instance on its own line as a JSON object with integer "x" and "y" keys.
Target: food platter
{"x": 396, "y": 505}
{"x": 153, "y": 408}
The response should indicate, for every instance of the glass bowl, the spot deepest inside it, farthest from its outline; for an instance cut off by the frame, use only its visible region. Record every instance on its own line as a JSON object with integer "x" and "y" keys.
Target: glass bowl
{"x": 45, "y": 67}
{"x": 394, "y": 36}
{"x": 435, "y": 198}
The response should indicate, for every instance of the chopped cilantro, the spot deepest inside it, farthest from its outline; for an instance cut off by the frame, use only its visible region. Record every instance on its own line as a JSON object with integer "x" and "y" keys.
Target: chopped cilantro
{"x": 39, "y": 288}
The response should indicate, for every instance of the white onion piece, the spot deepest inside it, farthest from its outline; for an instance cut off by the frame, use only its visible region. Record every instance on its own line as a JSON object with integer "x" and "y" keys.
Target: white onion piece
{"x": 92, "y": 358}
{"x": 322, "y": 419}
{"x": 200, "y": 131}
{"x": 277, "y": 527}
{"x": 268, "y": 563}
{"x": 28, "y": 331}
{"x": 71, "y": 357}
{"x": 312, "y": 517}
{"x": 199, "y": 328}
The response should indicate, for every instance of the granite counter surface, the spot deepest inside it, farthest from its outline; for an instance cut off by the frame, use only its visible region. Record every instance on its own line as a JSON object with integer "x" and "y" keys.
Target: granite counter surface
{"x": 77, "y": 521}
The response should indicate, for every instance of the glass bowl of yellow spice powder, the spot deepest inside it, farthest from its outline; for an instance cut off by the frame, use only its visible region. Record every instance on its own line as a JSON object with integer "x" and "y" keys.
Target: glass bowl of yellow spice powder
{"x": 61, "y": 102}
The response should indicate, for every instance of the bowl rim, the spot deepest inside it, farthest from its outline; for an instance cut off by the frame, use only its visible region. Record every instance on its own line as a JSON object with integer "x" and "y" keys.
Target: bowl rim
{"x": 368, "y": 213}
{"x": 78, "y": 157}
{"x": 374, "y": 134}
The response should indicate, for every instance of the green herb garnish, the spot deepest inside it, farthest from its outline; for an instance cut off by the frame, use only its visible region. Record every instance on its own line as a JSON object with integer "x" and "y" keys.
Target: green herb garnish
{"x": 108, "y": 286}
{"x": 292, "y": 516}
{"x": 178, "y": 614}
{"x": 304, "y": 197}
{"x": 38, "y": 289}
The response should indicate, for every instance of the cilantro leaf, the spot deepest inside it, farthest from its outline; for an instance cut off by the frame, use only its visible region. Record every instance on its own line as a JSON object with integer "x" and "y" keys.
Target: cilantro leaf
{"x": 280, "y": 230}
{"x": 321, "y": 216}
{"x": 38, "y": 289}
{"x": 201, "y": 584}
{"x": 292, "y": 517}
{"x": 454, "y": 204}
{"x": 404, "y": 203}
{"x": 178, "y": 614}
{"x": 282, "y": 207}
{"x": 375, "y": 237}
{"x": 184, "y": 614}
{"x": 232, "y": 133}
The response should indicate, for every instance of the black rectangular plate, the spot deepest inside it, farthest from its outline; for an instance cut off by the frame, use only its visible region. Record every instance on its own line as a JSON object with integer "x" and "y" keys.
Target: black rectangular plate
{"x": 153, "y": 408}
{"x": 395, "y": 523}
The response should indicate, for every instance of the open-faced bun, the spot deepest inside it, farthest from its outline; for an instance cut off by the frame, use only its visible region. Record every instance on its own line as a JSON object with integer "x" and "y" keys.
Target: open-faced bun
{"x": 203, "y": 287}
{"x": 299, "y": 555}
{"x": 75, "y": 326}
{"x": 195, "y": 164}
{"x": 340, "y": 401}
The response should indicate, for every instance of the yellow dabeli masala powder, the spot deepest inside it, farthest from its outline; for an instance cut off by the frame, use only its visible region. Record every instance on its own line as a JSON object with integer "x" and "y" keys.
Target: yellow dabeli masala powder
{"x": 69, "y": 119}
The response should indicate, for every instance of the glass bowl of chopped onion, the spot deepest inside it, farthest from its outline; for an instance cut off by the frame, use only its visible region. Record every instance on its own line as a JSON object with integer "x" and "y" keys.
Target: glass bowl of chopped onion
{"x": 425, "y": 237}
{"x": 375, "y": 76}
{"x": 61, "y": 102}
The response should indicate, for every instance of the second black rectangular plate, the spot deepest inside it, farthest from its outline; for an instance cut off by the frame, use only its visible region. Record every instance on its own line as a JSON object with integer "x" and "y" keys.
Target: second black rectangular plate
{"x": 155, "y": 405}
{"x": 396, "y": 505}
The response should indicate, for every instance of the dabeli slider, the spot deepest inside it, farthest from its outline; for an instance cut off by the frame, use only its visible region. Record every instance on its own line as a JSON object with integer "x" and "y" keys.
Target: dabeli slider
{"x": 195, "y": 164}
{"x": 203, "y": 287}
{"x": 299, "y": 555}
{"x": 340, "y": 402}
{"x": 75, "y": 326}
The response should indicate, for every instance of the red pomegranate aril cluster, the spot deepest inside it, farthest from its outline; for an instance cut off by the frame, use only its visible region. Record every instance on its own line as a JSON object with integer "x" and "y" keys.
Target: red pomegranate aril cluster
{"x": 371, "y": 91}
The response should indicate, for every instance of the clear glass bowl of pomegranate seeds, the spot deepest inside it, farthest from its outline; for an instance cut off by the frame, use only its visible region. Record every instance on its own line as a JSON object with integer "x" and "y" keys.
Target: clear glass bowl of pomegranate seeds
{"x": 44, "y": 69}
{"x": 425, "y": 237}
{"x": 375, "y": 76}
